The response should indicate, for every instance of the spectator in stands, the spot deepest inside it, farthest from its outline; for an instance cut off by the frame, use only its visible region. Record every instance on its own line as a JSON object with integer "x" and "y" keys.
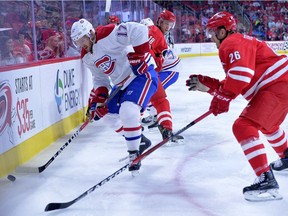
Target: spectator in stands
{"x": 53, "y": 49}
{"x": 26, "y": 30}
{"x": 271, "y": 24}
{"x": 271, "y": 34}
{"x": 279, "y": 24}
{"x": 46, "y": 30}
{"x": 39, "y": 37}
{"x": 8, "y": 55}
{"x": 20, "y": 46}
{"x": 185, "y": 34}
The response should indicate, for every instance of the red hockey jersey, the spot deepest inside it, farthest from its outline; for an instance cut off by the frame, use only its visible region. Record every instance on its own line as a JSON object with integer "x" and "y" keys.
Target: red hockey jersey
{"x": 250, "y": 65}
{"x": 158, "y": 45}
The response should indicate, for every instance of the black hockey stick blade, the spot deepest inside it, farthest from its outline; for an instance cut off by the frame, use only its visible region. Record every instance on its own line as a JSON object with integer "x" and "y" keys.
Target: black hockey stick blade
{"x": 56, "y": 206}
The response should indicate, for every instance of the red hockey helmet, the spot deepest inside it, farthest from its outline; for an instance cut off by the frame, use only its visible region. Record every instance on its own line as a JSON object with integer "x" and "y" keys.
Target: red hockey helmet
{"x": 222, "y": 19}
{"x": 167, "y": 15}
{"x": 113, "y": 19}
{"x": 170, "y": 19}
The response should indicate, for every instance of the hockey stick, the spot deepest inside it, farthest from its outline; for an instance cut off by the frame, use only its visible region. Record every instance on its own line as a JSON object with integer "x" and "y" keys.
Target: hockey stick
{"x": 56, "y": 206}
{"x": 107, "y": 9}
{"x": 43, "y": 167}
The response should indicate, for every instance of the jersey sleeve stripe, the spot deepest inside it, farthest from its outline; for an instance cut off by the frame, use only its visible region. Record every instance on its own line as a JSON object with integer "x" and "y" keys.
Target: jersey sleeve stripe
{"x": 270, "y": 75}
{"x": 242, "y": 69}
{"x": 240, "y": 78}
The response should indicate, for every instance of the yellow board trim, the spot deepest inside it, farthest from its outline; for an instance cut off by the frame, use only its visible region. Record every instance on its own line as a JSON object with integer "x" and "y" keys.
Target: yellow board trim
{"x": 197, "y": 55}
{"x": 32, "y": 146}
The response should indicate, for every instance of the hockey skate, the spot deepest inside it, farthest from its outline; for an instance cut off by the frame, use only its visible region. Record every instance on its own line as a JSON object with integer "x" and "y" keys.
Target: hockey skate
{"x": 144, "y": 144}
{"x": 134, "y": 169}
{"x": 264, "y": 188}
{"x": 150, "y": 121}
{"x": 281, "y": 164}
{"x": 166, "y": 133}
{"x": 153, "y": 126}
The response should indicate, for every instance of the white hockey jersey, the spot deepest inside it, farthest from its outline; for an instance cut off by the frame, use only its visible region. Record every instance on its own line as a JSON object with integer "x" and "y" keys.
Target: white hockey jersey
{"x": 109, "y": 54}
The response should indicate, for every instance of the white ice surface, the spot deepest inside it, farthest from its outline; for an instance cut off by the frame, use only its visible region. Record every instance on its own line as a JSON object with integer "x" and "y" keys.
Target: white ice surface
{"x": 204, "y": 177}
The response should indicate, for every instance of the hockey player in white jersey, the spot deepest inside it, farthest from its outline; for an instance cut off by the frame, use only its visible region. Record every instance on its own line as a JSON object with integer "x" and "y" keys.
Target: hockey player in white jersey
{"x": 105, "y": 51}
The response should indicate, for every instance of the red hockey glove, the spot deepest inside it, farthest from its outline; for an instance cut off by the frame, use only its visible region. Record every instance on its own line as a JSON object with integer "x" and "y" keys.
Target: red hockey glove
{"x": 98, "y": 97}
{"x": 138, "y": 63}
{"x": 202, "y": 83}
{"x": 220, "y": 102}
{"x": 97, "y": 112}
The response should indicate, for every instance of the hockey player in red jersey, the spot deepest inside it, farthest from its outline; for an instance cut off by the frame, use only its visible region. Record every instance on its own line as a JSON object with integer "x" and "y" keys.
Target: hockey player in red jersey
{"x": 108, "y": 53}
{"x": 255, "y": 71}
{"x": 159, "y": 100}
{"x": 169, "y": 71}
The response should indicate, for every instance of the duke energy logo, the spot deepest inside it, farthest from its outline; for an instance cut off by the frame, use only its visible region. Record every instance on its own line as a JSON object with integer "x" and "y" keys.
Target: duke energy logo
{"x": 59, "y": 92}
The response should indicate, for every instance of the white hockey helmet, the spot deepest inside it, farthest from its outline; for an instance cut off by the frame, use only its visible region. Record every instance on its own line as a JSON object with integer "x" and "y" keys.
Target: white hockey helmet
{"x": 147, "y": 22}
{"x": 81, "y": 28}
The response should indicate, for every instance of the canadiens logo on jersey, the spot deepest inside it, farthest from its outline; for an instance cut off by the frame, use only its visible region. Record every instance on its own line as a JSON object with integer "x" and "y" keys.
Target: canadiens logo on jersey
{"x": 106, "y": 64}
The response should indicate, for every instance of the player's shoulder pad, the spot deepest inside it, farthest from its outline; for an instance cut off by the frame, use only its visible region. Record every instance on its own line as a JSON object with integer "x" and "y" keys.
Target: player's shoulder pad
{"x": 104, "y": 31}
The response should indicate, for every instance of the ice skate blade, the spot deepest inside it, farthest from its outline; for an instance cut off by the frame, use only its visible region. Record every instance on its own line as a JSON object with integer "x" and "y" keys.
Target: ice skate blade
{"x": 124, "y": 159}
{"x": 147, "y": 123}
{"x": 175, "y": 143}
{"x": 262, "y": 195}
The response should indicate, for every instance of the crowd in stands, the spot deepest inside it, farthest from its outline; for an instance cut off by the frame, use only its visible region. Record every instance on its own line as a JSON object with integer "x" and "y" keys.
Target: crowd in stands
{"x": 266, "y": 20}
{"x": 17, "y": 36}
{"x": 269, "y": 19}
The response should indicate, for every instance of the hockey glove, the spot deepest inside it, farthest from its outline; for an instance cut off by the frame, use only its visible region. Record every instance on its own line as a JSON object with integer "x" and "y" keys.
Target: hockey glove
{"x": 138, "y": 63}
{"x": 220, "y": 102}
{"x": 97, "y": 112}
{"x": 97, "y": 98}
{"x": 98, "y": 95}
{"x": 202, "y": 83}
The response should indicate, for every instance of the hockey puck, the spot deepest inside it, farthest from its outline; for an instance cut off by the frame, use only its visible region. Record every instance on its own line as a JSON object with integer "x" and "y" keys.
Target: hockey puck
{"x": 11, "y": 178}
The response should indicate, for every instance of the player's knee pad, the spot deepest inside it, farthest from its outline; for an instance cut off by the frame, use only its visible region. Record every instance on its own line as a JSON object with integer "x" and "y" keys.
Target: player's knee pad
{"x": 130, "y": 112}
{"x": 244, "y": 129}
